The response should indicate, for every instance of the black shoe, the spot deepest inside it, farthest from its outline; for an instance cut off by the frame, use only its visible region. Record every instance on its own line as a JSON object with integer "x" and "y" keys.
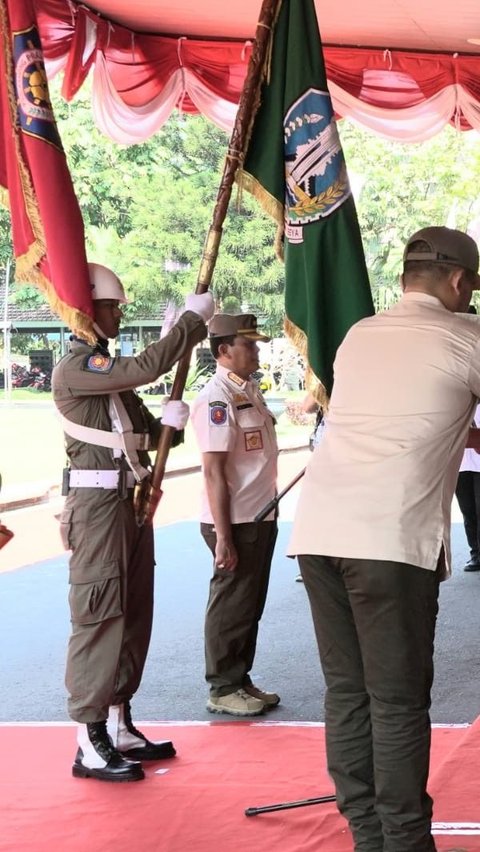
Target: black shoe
{"x": 473, "y": 564}
{"x": 117, "y": 768}
{"x": 150, "y": 751}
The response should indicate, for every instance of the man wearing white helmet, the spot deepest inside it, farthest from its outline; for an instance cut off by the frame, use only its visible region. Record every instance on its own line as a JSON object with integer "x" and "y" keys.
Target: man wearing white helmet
{"x": 108, "y": 431}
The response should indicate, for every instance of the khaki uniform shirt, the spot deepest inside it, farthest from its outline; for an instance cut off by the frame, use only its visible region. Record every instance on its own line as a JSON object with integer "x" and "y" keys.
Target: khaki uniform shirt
{"x": 230, "y": 415}
{"x": 381, "y": 482}
{"x": 83, "y": 380}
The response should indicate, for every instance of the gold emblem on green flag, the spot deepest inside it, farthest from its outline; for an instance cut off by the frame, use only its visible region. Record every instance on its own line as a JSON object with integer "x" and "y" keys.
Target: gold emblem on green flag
{"x": 316, "y": 179}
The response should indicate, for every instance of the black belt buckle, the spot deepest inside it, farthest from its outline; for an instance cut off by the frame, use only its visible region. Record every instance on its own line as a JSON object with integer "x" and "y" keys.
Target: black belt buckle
{"x": 65, "y": 481}
{"x": 122, "y": 490}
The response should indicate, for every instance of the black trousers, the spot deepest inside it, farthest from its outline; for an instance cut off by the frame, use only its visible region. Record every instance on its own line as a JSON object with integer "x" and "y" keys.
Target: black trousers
{"x": 468, "y": 495}
{"x": 235, "y": 606}
{"x": 375, "y": 624}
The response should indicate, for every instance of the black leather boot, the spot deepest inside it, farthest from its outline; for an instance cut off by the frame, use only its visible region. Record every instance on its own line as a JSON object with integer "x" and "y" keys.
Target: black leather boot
{"x": 98, "y": 758}
{"x": 473, "y": 563}
{"x": 130, "y": 742}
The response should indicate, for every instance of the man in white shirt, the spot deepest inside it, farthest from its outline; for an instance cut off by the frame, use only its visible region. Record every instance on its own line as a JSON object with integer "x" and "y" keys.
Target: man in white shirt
{"x": 372, "y": 529}
{"x": 236, "y": 436}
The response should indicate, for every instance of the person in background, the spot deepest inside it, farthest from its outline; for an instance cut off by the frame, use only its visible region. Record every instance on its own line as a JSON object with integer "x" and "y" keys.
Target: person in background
{"x": 6, "y": 535}
{"x": 311, "y": 406}
{"x": 467, "y": 493}
{"x": 108, "y": 431}
{"x": 236, "y": 435}
{"x": 372, "y": 534}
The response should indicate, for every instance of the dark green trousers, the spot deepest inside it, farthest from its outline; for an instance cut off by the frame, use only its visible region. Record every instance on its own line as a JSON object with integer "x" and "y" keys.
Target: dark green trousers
{"x": 375, "y": 625}
{"x": 111, "y": 600}
{"x": 235, "y": 606}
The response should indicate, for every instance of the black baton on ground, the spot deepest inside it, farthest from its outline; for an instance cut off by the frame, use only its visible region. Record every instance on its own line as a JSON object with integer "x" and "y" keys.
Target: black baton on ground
{"x": 283, "y": 806}
{"x": 274, "y": 503}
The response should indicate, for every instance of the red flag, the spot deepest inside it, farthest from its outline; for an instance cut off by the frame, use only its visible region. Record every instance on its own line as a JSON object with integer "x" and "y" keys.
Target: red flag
{"x": 47, "y": 225}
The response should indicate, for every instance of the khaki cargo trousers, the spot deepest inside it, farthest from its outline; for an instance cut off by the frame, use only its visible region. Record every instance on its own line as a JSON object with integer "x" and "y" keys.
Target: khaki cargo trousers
{"x": 111, "y": 600}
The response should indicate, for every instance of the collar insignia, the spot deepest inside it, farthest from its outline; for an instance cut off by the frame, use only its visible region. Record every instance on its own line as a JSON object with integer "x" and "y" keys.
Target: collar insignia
{"x": 235, "y": 379}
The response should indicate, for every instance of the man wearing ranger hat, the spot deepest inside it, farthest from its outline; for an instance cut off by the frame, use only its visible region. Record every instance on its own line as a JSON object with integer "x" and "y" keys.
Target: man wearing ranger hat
{"x": 372, "y": 534}
{"x": 236, "y": 436}
{"x": 108, "y": 431}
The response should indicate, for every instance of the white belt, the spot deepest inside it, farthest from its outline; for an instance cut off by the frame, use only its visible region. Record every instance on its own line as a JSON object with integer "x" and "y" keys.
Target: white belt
{"x": 99, "y": 479}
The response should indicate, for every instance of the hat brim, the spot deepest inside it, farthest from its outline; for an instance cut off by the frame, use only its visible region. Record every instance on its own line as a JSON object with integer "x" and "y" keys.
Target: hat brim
{"x": 254, "y": 335}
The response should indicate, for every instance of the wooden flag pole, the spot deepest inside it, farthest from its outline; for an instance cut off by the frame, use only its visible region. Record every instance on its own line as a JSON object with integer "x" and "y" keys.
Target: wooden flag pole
{"x": 149, "y": 492}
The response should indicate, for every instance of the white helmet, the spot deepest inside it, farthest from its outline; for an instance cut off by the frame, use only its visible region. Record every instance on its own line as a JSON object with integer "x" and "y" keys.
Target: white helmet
{"x": 105, "y": 284}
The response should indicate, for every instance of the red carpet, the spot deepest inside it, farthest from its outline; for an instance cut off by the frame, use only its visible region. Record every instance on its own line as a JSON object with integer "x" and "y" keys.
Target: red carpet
{"x": 197, "y": 801}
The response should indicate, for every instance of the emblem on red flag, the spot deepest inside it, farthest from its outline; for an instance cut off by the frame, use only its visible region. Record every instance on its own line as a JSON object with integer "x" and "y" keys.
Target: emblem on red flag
{"x": 33, "y": 101}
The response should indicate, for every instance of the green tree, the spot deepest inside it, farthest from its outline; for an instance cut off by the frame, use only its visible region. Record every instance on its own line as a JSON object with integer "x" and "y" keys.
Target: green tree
{"x": 147, "y": 208}
{"x": 170, "y": 214}
{"x": 405, "y": 187}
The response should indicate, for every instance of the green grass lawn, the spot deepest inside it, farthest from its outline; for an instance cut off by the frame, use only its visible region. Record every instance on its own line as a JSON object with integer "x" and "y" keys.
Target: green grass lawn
{"x": 31, "y": 437}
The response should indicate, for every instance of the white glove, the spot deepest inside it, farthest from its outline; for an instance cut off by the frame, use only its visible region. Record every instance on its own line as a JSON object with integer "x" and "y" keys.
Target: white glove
{"x": 202, "y": 304}
{"x": 175, "y": 413}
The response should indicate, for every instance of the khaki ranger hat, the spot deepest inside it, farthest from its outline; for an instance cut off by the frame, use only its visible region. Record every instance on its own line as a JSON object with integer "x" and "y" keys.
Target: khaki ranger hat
{"x": 241, "y": 325}
{"x": 446, "y": 245}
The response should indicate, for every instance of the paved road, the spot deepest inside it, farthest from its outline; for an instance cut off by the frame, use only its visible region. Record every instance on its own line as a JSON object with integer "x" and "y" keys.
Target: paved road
{"x": 34, "y": 629}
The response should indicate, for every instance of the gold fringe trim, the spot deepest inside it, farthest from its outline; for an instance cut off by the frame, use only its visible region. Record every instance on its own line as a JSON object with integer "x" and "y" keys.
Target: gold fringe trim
{"x": 81, "y": 324}
{"x": 4, "y": 197}
{"x": 267, "y": 69}
{"x": 268, "y": 203}
{"x": 313, "y": 384}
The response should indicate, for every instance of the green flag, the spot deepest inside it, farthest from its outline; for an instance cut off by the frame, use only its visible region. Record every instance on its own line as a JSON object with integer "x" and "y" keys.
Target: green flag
{"x": 294, "y": 165}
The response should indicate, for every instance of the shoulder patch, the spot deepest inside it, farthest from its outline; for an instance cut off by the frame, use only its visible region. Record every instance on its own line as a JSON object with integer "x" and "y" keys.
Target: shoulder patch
{"x": 218, "y": 413}
{"x": 98, "y": 363}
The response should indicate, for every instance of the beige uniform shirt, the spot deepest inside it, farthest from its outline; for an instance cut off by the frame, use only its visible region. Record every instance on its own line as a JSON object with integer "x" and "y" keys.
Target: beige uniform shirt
{"x": 229, "y": 415}
{"x": 380, "y": 483}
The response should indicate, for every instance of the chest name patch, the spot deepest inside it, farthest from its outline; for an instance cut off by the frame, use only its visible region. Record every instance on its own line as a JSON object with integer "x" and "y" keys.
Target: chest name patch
{"x": 98, "y": 363}
{"x": 253, "y": 440}
{"x": 218, "y": 413}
